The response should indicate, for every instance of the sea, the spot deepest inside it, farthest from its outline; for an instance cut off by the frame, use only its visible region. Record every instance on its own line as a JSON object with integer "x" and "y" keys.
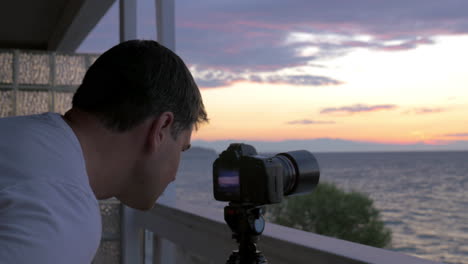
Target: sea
{"x": 422, "y": 196}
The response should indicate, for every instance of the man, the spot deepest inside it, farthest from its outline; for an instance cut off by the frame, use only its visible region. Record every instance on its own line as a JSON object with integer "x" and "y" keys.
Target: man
{"x": 132, "y": 116}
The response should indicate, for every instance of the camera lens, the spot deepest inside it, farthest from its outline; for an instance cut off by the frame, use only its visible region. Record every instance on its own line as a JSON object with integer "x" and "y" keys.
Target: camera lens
{"x": 289, "y": 173}
{"x": 301, "y": 172}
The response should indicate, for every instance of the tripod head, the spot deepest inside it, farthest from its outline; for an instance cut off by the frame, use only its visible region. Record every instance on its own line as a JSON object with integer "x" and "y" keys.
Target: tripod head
{"x": 247, "y": 224}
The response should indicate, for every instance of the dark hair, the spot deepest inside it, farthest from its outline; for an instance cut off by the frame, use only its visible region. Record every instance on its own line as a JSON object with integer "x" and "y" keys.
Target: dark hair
{"x": 138, "y": 79}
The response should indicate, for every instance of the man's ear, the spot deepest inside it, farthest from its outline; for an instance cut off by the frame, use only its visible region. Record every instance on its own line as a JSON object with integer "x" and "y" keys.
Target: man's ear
{"x": 160, "y": 129}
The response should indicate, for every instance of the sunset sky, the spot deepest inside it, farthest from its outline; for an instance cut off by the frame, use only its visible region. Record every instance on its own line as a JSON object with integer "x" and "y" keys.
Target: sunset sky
{"x": 364, "y": 70}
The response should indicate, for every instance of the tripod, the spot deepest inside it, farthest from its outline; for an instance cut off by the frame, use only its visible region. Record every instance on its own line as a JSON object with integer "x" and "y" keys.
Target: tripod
{"x": 247, "y": 224}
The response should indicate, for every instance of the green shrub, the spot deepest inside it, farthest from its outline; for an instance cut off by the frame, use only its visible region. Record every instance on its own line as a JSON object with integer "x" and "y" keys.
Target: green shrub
{"x": 332, "y": 212}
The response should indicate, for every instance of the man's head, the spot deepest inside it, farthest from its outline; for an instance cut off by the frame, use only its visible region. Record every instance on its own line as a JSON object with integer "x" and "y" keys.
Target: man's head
{"x": 143, "y": 89}
{"x": 136, "y": 80}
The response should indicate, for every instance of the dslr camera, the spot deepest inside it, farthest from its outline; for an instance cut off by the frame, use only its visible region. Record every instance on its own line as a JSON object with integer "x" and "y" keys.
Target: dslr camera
{"x": 241, "y": 176}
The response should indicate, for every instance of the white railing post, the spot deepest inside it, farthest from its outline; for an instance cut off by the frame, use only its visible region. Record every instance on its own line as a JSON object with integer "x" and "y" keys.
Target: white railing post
{"x": 130, "y": 236}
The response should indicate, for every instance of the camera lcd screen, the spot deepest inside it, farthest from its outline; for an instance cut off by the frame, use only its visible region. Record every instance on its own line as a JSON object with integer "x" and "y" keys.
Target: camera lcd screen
{"x": 228, "y": 182}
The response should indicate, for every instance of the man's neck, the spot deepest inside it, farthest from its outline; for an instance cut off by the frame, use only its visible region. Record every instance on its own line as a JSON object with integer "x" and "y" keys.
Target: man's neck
{"x": 106, "y": 153}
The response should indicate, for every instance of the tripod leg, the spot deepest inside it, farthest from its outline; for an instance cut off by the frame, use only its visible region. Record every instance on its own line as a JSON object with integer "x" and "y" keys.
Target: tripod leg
{"x": 234, "y": 258}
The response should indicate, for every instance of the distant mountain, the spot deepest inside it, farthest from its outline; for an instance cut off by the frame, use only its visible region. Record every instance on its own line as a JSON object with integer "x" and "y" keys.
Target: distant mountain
{"x": 200, "y": 152}
{"x": 330, "y": 145}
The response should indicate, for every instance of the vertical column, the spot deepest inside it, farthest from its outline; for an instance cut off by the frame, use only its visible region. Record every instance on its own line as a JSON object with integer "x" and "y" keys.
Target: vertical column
{"x": 128, "y": 22}
{"x": 165, "y": 23}
{"x": 164, "y": 250}
{"x": 130, "y": 233}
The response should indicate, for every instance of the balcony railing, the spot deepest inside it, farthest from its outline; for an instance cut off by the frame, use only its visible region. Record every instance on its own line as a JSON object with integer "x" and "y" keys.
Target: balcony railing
{"x": 188, "y": 234}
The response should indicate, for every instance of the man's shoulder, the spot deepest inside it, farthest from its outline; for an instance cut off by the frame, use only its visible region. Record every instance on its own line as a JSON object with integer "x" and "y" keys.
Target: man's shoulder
{"x": 17, "y": 128}
{"x": 39, "y": 146}
{"x": 48, "y": 220}
{"x": 55, "y": 195}
{"x": 43, "y": 119}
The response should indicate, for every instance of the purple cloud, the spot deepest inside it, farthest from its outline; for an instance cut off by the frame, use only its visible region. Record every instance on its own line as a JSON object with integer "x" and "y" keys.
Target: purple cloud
{"x": 258, "y": 37}
{"x": 212, "y": 78}
{"x": 403, "y": 44}
{"x": 457, "y": 135}
{"x": 252, "y": 34}
{"x": 358, "y": 108}
{"x": 425, "y": 110}
{"x": 309, "y": 122}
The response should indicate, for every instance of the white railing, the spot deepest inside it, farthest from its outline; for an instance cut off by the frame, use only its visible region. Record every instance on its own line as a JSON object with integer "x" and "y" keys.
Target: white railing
{"x": 182, "y": 228}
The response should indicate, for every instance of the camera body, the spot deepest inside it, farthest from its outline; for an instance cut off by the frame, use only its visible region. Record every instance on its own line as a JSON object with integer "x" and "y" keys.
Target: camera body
{"x": 242, "y": 176}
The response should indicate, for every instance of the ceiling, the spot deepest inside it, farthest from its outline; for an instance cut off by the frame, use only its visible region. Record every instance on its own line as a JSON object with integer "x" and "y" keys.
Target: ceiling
{"x": 55, "y": 25}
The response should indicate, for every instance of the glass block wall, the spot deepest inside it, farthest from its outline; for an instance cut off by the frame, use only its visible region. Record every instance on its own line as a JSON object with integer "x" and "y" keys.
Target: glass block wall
{"x": 33, "y": 82}
{"x": 109, "y": 250}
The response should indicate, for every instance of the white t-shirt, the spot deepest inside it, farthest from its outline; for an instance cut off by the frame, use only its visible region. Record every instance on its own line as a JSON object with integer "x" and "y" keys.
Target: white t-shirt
{"x": 48, "y": 212}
